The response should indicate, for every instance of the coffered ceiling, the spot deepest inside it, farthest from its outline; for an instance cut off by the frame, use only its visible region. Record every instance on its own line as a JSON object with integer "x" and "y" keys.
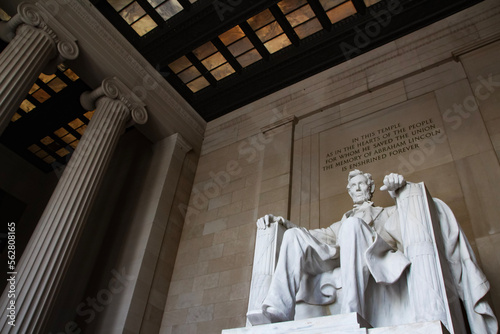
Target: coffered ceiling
{"x": 219, "y": 55}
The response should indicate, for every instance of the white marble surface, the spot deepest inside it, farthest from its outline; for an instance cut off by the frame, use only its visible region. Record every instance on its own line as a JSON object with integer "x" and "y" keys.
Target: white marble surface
{"x": 342, "y": 323}
{"x": 337, "y": 324}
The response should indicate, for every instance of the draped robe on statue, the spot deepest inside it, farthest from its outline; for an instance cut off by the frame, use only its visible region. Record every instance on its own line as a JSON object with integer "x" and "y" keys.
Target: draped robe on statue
{"x": 367, "y": 244}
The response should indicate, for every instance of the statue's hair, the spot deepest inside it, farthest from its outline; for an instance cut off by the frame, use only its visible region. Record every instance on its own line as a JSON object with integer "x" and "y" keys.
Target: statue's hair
{"x": 368, "y": 176}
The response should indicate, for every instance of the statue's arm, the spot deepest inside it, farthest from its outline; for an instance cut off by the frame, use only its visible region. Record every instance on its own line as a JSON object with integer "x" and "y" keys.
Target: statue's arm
{"x": 267, "y": 220}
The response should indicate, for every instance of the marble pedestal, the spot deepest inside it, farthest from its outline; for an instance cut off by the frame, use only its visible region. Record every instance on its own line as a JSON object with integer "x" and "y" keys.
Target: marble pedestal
{"x": 351, "y": 323}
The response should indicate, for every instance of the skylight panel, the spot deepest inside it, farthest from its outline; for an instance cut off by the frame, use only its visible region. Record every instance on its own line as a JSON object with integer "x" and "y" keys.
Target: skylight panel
{"x": 46, "y": 78}
{"x": 144, "y": 25}
{"x": 62, "y": 152}
{"x": 180, "y": 64}
{"x": 213, "y": 61}
{"x": 204, "y": 51}
{"x": 133, "y": 13}
{"x": 301, "y": 17}
{"x": 27, "y": 106}
{"x": 89, "y": 114}
{"x": 369, "y": 3}
{"x": 269, "y": 31}
{"x": 341, "y": 12}
{"x": 61, "y": 132}
{"x": 81, "y": 129}
{"x": 33, "y": 89}
{"x": 329, "y": 4}
{"x": 288, "y": 6}
{"x": 56, "y": 85}
{"x": 169, "y": 8}
{"x": 198, "y": 84}
{"x": 119, "y": 4}
{"x": 240, "y": 46}
{"x": 69, "y": 138}
{"x": 15, "y": 117}
{"x": 41, "y": 96}
{"x": 277, "y": 43}
{"x": 249, "y": 58}
{"x": 70, "y": 74}
{"x": 232, "y": 35}
{"x": 222, "y": 71}
{"x": 76, "y": 123}
{"x": 263, "y": 18}
{"x": 308, "y": 28}
{"x": 188, "y": 73}
{"x": 4, "y": 16}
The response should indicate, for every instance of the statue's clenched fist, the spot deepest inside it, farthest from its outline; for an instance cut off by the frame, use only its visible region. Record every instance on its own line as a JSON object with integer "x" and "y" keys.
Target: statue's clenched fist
{"x": 267, "y": 220}
{"x": 392, "y": 183}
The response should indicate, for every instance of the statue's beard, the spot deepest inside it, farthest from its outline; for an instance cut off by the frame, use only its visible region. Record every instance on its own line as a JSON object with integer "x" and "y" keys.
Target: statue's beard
{"x": 361, "y": 198}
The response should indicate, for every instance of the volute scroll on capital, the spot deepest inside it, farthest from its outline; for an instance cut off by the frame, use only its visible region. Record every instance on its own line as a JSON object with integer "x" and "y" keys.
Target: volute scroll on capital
{"x": 31, "y": 15}
{"x": 114, "y": 89}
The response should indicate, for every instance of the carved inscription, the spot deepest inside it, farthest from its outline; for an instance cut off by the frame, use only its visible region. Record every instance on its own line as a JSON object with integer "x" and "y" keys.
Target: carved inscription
{"x": 380, "y": 144}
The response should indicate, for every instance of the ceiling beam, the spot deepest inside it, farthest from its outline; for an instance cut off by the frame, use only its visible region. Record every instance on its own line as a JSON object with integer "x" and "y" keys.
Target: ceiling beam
{"x": 360, "y": 6}
{"x": 252, "y": 36}
{"x": 201, "y": 68}
{"x": 152, "y": 12}
{"x": 320, "y": 13}
{"x": 227, "y": 54}
{"x": 185, "y": 4}
{"x": 285, "y": 25}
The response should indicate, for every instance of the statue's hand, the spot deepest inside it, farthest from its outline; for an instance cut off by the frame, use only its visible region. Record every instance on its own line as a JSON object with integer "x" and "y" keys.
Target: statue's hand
{"x": 267, "y": 220}
{"x": 392, "y": 183}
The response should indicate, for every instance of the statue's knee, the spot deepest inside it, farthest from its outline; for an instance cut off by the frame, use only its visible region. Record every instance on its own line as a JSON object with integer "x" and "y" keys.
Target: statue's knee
{"x": 292, "y": 233}
{"x": 293, "y": 236}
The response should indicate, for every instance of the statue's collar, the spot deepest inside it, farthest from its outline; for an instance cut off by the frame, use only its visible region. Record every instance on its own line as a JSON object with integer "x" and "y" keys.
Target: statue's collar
{"x": 375, "y": 211}
{"x": 362, "y": 206}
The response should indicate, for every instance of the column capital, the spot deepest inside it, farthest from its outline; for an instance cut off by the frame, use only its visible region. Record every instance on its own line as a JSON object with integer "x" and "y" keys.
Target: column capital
{"x": 114, "y": 89}
{"x": 38, "y": 17}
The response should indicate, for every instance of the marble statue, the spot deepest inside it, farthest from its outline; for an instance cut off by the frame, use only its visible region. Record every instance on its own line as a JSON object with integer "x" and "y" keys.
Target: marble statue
{"x": 426, "y": 268}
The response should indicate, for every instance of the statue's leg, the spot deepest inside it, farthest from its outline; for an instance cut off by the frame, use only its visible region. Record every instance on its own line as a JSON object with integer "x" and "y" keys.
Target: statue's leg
{"x": 300, "y": 252}
{"x": 355, "y": 237}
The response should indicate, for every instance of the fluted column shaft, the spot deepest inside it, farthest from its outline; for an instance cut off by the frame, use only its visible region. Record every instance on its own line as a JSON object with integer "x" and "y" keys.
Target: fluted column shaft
{"x": 32, "y": 47}
{"x": 41, "y": 269}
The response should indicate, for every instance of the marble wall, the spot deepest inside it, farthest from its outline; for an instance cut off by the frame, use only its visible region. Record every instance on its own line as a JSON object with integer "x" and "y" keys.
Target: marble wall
{"x": 430, "y": 101}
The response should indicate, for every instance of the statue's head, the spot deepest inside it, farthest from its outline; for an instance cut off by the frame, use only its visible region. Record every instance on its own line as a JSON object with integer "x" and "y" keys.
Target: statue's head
{"x": 360, "y": 186}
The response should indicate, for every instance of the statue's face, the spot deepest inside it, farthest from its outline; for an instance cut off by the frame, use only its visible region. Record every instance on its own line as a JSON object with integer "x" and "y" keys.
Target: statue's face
{"x": 358, "y": 189}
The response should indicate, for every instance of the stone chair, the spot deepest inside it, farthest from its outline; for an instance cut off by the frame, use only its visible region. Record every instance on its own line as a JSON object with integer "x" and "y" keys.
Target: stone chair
{"x": 428, "y": 290}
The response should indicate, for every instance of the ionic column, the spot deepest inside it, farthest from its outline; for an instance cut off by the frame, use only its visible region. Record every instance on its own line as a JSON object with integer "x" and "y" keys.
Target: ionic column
{"x": 41, "y": 269}
{"x": 33, "y": 48}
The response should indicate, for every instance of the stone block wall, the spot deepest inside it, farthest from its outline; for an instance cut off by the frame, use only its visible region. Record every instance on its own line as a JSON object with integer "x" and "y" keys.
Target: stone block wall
{"x": 269, "y": 157}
